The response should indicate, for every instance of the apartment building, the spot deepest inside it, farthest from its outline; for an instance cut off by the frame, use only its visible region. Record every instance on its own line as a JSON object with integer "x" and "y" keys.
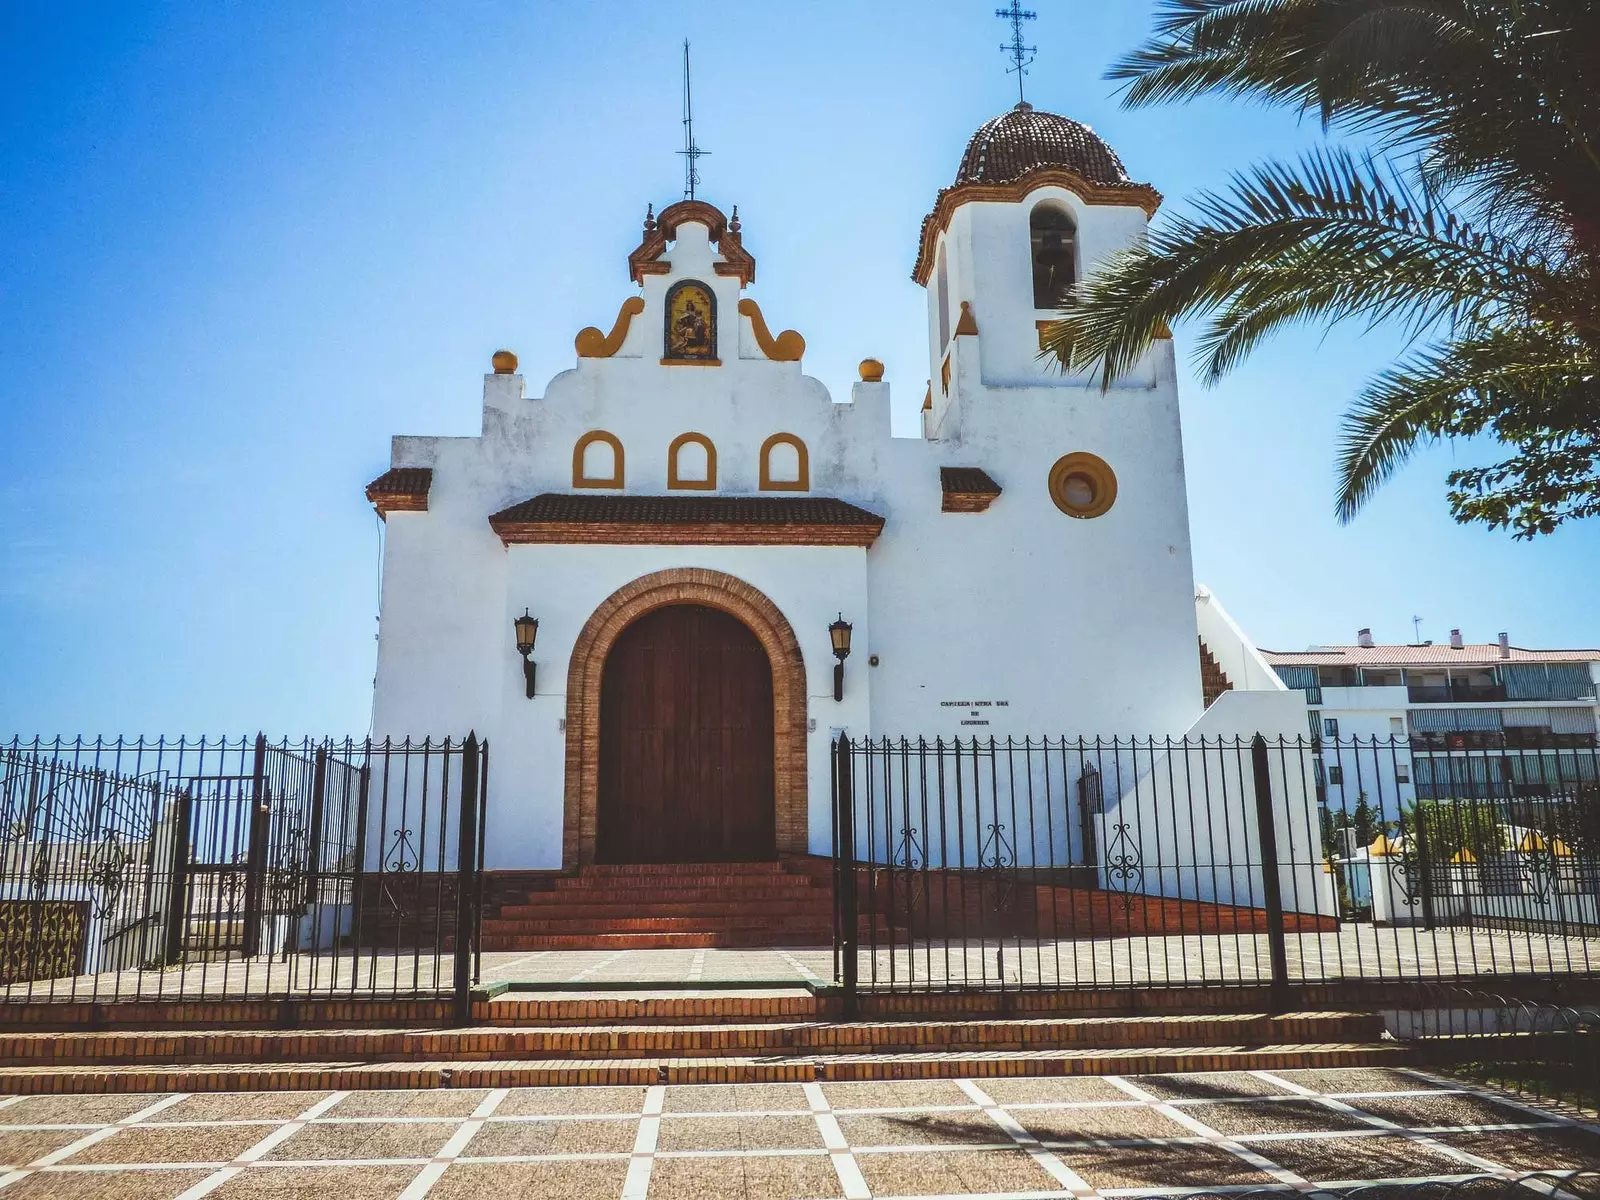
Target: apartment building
{"x": 1460, "y": 720}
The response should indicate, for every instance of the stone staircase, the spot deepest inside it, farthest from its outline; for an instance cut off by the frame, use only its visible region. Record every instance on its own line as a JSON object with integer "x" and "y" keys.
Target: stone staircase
{"x": 663, "y": 905}
{"x": 730, "y": 1038}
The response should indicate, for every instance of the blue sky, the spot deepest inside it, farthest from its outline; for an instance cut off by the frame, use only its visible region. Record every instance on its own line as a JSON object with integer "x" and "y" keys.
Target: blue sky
{"x": 242, "y": 244}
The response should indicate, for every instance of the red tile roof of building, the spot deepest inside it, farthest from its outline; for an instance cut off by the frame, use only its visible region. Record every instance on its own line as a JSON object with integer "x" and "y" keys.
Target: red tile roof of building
{"x": 726, "y": 520}
{"x": 401, "y": 489}
{"x": 1437, "y": 655}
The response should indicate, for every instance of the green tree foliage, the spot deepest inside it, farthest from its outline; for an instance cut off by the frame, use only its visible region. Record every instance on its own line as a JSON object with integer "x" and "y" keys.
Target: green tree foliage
{"x": 1474, "y": 221}
{"x": 1450, "y": 826}
{"x": 1367, "y": 821}
{"x": 1331, "y": 823}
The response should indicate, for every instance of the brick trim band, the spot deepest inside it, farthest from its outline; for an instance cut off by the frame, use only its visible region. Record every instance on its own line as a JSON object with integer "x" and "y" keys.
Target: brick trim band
{"x": 683, "y": 585}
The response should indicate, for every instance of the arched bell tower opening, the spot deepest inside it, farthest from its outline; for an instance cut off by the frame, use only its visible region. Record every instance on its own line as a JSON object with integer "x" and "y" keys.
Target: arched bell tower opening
{"x": 1053, "y": 243}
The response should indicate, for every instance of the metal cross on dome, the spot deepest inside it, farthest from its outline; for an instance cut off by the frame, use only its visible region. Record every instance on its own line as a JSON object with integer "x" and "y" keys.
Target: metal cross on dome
{"x": 1021, "y": 55}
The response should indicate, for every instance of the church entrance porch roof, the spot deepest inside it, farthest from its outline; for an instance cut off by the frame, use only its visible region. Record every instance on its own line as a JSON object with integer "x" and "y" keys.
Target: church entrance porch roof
{"x": 559, "y": 518}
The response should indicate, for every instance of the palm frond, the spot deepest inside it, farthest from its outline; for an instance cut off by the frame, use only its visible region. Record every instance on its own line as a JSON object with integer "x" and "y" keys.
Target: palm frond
{"x": 1332, "y": 238}
{"x": 1533, "y": 386}
{"x": 1496, "y": 96}
{"x": 1479, "y": 230}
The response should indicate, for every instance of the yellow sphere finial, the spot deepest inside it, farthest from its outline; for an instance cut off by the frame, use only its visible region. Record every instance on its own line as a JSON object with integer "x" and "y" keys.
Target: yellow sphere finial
{"x": 505, "y": 362}
{"x": 871, "y": 370}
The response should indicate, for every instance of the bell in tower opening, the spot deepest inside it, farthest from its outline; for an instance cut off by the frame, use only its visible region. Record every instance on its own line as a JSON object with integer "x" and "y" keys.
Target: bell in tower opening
{"x": 1055, "y": 255}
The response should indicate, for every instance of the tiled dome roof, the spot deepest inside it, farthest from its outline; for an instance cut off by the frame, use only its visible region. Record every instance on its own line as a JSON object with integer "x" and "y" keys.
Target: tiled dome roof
{"x": 1025, "y": 139}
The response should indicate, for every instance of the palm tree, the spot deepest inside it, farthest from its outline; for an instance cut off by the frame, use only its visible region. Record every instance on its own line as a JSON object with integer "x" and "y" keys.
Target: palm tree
{"x": 1473, "y": 219}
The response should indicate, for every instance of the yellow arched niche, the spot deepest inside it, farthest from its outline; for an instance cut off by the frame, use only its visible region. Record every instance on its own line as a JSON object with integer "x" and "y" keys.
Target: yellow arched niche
{"x": 675, "y": 480}
{"x": 800, "y": 484}
{"x": 579, "y": 478}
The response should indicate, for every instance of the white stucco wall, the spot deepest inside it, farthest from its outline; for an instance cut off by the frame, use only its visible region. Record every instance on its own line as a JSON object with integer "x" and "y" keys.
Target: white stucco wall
{"x": 1191, "y": 816}
{"x": 1051, "y": 624}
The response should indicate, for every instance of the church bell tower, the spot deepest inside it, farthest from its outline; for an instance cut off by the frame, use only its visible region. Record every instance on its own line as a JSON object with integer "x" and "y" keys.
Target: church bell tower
{"x": 1037, "y": 201}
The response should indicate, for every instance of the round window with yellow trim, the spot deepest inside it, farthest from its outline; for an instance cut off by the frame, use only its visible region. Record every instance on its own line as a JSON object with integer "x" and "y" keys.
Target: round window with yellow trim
{"x": 1083, "y": 485}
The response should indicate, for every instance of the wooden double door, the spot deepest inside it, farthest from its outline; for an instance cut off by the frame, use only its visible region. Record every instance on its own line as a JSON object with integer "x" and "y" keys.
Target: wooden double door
{"x": 686, "y": 741}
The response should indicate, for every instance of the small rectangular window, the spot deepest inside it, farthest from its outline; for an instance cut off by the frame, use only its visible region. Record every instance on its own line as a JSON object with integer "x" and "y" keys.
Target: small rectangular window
{"x": 1397, "y": 727}
{"x": 1402, "y": 773}
{"x": 1330, "y": 727}
{"x": 1336, "y": 775}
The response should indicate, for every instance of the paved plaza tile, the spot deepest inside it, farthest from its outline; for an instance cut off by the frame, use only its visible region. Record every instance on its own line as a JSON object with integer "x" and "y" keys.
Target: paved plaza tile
{"x": 364, "y": 1140}
{"x": 580, "y": 1179}
{"x": 1325, "y": 1160}
{"x": 954, "y": 1128}
{"x": 1438, "y": 1112}
{"x": 1156, "y": 1166}
{"x": 1531, "y": 1150}
{"x": 736, "y": 1097}
{"x": 958, "y": 1173}
{"x": 739, "y": 1132}
{"x": 1272, "y": 1116}
{"x": 127, "y": 1185}
{"x": 316, "y": 1183}
{"x": 1079, "y": 1123}
{"x": 736, "y": 1179}
{"x": 1209, "y": 1085}
{"x": 1071, "y": 1137}
{"x": 522, "y": 1139}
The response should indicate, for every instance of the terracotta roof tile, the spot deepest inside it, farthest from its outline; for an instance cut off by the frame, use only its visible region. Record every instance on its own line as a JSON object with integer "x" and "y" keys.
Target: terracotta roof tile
{"x": 968, "y": 479}
{"x": 967, "y": 489}
{"x": 729, "y": 520}
{"x": 1024, "y": 139}
{"x": 401, "y": 489}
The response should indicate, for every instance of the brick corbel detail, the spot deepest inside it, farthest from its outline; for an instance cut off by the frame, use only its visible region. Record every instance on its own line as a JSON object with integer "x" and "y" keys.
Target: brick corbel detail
{"x": 683, "y": 585}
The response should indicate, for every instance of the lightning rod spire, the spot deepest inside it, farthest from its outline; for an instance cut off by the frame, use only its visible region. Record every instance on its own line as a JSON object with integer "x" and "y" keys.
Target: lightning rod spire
{"x": 691, "y": 152}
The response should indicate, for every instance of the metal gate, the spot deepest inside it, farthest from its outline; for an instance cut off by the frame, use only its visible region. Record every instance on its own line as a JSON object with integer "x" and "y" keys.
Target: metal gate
{"x": 240, "y": 869}
{"x": 258, "y": 853}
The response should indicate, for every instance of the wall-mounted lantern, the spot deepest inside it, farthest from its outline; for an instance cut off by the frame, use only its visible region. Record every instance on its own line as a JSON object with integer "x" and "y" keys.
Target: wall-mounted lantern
{"x": 527, "y": 633}
{"x": 839, "y": 632}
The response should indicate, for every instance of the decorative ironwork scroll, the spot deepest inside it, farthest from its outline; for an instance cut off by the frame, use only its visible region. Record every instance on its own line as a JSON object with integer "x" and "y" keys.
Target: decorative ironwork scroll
{"x": 1124, "y": 865}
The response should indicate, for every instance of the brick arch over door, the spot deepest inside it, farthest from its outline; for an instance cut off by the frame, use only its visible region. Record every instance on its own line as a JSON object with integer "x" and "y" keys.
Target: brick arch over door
{"x": 683, "y": 585}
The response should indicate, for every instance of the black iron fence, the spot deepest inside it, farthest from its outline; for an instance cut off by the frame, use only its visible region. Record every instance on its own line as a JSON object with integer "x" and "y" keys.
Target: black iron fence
{"x": 1538, "y": 1049}
{"x": 1059, "y": 862}
{"x": 1569, "y": 1184}
{"x": 239, "y": 869}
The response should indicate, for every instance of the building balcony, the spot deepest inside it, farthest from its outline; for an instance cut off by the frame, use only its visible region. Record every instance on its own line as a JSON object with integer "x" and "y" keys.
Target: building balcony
{"x": 1455, "y": 693}
{"x": 1513, "y": 738}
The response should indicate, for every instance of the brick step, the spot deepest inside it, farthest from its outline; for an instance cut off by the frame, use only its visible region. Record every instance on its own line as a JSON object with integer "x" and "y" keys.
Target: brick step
{"x": 788, "y": 885}
{"x": 800, "y": 891}
{"x": 685, "y": 1041}
{"x": 648, "y": 941}
{"x": 624, "y": 870}
{"x": 674, "y": 907}
{"x": 504, "y": 927}
{"x": 213, "y": 1077}
{"x": 536, "y": 1009}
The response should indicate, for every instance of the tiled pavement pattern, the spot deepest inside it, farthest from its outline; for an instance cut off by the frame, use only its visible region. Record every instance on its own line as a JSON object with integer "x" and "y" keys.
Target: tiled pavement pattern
{"x": 1084, "y": 1137}
{"x": 1354, "y": 952}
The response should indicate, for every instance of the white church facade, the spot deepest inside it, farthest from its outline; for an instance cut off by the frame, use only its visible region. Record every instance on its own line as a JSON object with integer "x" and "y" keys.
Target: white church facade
{"x": 692, "y": 521}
